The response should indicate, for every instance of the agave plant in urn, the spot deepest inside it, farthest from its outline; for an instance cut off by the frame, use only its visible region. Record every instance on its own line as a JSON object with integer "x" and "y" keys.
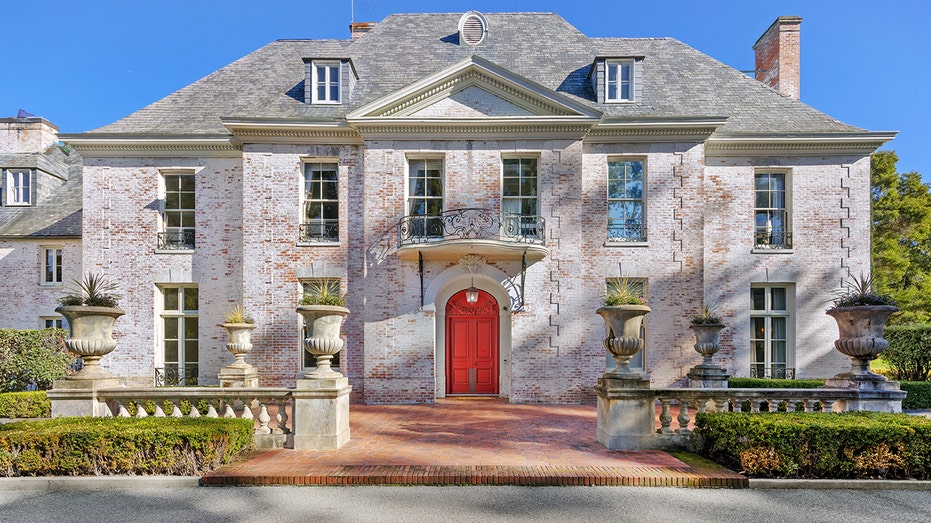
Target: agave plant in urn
{"x": 239, "y": 326}
{"x": 707, "y": 325}
{"x": 861, "y": 315}
{"x": 623, "y": 314}
{"x": 91, "y": 306}
{"x": 323, "y": 310}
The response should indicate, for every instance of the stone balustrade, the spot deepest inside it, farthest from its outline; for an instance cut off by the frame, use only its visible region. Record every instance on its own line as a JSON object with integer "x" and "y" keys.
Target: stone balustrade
{"x": 631, "y": 417}
{"x": 692, "y": 401}
{"x": 271, "y": 408}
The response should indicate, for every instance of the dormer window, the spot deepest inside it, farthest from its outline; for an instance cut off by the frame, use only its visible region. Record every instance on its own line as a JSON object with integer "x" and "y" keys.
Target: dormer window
{"x": 18, "y": 187}
{"x": 326, "y": 82}
{"x": 619, "y": 81}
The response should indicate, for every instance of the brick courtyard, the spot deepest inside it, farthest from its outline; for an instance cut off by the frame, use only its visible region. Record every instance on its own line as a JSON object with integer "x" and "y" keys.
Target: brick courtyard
{"x": 473, "y": 441}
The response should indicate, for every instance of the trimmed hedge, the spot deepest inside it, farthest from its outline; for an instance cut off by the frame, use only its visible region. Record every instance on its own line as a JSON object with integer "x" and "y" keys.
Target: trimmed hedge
{"x": 33, "y": 404}
{"x": 909, "y": 351}
{"x": 32, "y": 358}
{"x": 919, "y": 394}
{"x": 761, "y": 383}
{"x": 107, "y": 446}
{"x": 818, "y": 445}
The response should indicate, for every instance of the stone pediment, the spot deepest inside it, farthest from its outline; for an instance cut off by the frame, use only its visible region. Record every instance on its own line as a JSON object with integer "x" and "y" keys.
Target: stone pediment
{"x": 474, "y": 89}
{"x": 472, "y": 102}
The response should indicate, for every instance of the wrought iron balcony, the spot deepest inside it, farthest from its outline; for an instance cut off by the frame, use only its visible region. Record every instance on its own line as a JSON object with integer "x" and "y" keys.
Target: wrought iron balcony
{"x": 470, "y": 224}
{"x": 486, "y": 232}
{"x": 627, "y": 232}
{"x": 772, "y": 238}
{"x": 779, "y": 372}
{"x": 177, "y": 240}
{"x": 323, "y": 231}
{"x": 172, "y": 376}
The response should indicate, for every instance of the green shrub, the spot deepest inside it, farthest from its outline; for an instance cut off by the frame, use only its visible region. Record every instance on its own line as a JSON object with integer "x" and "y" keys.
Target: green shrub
{"x": 32, "y": 357}
{"x": 909, "y": 351}
{"x": 919, "y": 394}
{"x": 109, "y": 446}
{"x": 817, "y": 445}
{"x": 32, "y": 404}
{"x": 761, "y": 383}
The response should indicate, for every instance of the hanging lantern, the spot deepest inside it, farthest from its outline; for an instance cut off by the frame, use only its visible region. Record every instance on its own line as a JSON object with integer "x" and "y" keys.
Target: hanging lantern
{"x": 472, "y": 293}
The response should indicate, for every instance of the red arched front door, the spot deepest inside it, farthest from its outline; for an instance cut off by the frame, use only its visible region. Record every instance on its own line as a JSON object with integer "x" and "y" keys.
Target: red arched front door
{"x": 472, "y": 345}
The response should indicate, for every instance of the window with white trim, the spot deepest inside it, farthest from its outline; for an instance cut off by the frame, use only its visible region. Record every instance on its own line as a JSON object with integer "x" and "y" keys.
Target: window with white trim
{"x": 325, "y": 81}
{"x": 626, "y": 202}
{"x": 178, "y": 212}
{"x": 637, "y": 286}
{"x": 425, "y": 198}
{"x": 321, "y": 203}
{"x": 519, "y": 203}
{"x": 51, "y": 266}
{"x": 18, "y": 187}
{"x": 772, "y": 354}
{"x": 771, "y": 211}
{"x": 179, "y": 336}
{"x": 53, "y": 322}
{"x": 310, "y": 287}
{"x": 619, "y": 81}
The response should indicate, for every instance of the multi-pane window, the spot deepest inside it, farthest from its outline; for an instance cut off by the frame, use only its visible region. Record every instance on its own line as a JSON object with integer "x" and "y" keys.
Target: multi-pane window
{"x": 519, "y": 205}
{"x": 51, "y": 273}
{"x": 19, "y": 187}
{"x": 314, "y": 286}
{"x": 425, "y": 198}
{"x": 326, "y": 82}
{"x": 53, "y": 322}
{"x": 178, "y": 215}
{"x": 771, "y": 217}
{"x": 770, "y": 332}
{"x": 619, "y": 81}
{"x": 180, "y": 354}
{"x": 637, "y": 287}
{"x": 626, "y": 217}
{"x": 321, "y": 203}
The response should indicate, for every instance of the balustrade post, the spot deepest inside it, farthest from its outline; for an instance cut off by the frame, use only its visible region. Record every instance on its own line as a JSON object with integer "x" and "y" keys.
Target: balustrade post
{"x": 683, "y": 417}
{"x": 665, "y": 417}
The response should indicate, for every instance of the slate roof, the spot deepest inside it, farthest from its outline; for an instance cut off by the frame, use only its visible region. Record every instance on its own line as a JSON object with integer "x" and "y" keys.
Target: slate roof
{"x": 57, "y": 215}
{"x": 678, "y": 81}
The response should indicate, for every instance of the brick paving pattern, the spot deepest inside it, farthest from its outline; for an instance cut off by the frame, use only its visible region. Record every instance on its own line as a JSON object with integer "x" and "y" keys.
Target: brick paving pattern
{"x": 472, "y": 442}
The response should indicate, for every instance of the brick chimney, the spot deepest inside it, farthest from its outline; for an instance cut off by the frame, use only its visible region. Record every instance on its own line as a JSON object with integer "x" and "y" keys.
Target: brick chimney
{"x": 358, "y": 29}
{"x": 777, "y": 56}
{"x": 26, "y": 135}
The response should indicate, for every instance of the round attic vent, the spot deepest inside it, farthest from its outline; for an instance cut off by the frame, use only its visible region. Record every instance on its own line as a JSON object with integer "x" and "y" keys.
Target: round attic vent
{"x": 472, "y": 28}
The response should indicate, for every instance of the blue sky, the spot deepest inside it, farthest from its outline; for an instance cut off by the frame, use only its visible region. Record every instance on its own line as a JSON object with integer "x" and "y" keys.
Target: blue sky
{"x": 83, "y": 65}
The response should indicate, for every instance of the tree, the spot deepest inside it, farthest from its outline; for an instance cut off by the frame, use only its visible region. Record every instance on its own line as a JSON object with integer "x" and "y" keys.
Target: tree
{"x": 901, "y": 231}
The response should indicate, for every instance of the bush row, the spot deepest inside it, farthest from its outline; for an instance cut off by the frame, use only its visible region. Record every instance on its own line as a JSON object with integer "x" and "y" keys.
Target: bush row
{"x": 108, "y": 446}
{"x": 763, "y": 383}
{"x": 909, "y": 351}
{"x": 919, "y": 394}
{"x": 32, "y": 358}
{"x": 817, "y": 445}
{"x": 33, "y": 404}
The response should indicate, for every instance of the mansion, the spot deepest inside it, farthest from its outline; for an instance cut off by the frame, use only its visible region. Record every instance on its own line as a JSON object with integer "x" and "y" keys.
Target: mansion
{"x": 506, "y": 156}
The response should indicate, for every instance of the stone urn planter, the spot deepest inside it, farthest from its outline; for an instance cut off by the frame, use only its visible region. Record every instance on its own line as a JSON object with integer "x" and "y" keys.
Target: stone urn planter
{"x": 323, "y": 336}
{"x": 861, "y": 337}
{"x": 91, "y": 337}
{"x": 240, "y": 342}
{"x": 239, "y": 373}
{"x": 623, "y": 341}
{"x": 707, "y": 374}
{"x": 707, "y": 337}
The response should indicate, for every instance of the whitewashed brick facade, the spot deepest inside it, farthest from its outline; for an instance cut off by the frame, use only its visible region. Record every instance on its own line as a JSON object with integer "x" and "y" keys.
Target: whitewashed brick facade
{"x": 699, "y": 198}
